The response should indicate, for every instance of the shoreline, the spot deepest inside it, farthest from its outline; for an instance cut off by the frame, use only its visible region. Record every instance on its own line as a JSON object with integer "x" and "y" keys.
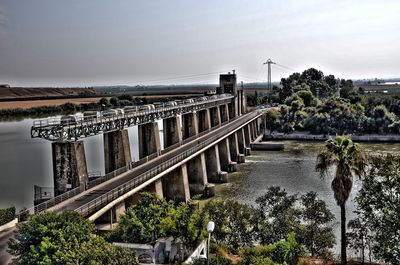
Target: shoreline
{"x": 299, "y": 136}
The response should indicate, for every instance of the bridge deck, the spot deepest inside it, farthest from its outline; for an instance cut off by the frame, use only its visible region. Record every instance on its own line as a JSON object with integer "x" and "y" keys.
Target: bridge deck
{"x": 97, "y": 197}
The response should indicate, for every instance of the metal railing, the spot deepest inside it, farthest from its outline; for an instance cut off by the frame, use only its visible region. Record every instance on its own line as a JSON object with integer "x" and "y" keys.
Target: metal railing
{"x": 115, "y": 193}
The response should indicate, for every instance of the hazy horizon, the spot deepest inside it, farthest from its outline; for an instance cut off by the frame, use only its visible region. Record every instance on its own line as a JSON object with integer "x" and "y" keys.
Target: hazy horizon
{"x": 91, "y": 43}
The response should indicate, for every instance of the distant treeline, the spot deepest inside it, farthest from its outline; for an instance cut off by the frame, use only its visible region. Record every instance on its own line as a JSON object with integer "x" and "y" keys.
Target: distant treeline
{"x": 70, "y": 108}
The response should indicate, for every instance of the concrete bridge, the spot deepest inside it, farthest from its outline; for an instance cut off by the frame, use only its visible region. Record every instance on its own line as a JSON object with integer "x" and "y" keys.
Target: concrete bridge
{"x": 204, "y": 139}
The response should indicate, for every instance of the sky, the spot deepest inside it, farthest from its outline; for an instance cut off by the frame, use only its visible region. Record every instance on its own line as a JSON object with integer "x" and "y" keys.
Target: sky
{"x": 102, "y": 42}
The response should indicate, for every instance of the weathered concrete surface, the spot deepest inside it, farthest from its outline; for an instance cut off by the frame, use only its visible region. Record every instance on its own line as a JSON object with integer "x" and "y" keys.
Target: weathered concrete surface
{"x": 189, "y": 125}
{"x": 247, "y": 135}
{"x": 234, "y": 146}
{"x": 213, "y": 164}
{"x": 204, "y": 120}
{"x": 197, "y": 174}
{"x": 117, "y": 152}
{"x": 215, "y": 116}
{"x": 224, "y": 154}
{"x": 176, "y": 185}
{"x": 241, "y": 141}
{"x": 268, "y": 146}
{"x": 119, "y": 210}
{"x": 172, "y": 131}
{"x": 69, "y": 166}
{"x": 224, "y": 112}
{"x": 149, "y": 139}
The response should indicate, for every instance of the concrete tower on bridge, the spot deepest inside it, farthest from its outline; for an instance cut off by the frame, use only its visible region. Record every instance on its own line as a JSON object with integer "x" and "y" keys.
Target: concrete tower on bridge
{"x": 228, "y": 85}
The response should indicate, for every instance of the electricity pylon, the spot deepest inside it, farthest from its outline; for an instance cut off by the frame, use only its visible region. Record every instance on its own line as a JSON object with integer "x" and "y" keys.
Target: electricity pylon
{"x": 269, "y": 62}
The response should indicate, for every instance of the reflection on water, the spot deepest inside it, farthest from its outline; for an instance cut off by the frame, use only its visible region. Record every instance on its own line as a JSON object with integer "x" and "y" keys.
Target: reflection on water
{"x": 294, "y": 170}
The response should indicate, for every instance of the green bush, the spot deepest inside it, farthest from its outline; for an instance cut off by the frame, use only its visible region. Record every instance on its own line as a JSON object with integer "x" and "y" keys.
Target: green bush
{"x": 7, "y": 215}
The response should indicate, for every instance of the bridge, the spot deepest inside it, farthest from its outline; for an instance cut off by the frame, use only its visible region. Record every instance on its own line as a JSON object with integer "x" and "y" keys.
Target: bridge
{"x": 204, "y": 139}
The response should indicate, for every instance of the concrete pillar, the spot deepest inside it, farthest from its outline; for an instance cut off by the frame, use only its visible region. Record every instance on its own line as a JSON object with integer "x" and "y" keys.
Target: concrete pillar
{"x": 247, "y": 137}
{"x": 232, "y": 110}
{"x": 197, "y": 174}
{"x": 149, "y": 139}
{"x": 224, "y": 112}
{"x": 117, "y": 152}
{"x": 118, "y": 211}
{"x": 155, "y": 187}
{"x": 241, "y": 147}
{"x": 69, "y": 166}
{"x": 213, "y": 164}
{"x": 172, "y": 131}
{"x": 225, "y": 157}
{"x": 204, "y": 120}
{"x": 176, "y": 185}
{"x": 234, "y": 146}
{"x": 215, "y": 116}
{"x": 251, "y": 125}
{"x": 189, "y": 125}
{"x": 255, "y": 129}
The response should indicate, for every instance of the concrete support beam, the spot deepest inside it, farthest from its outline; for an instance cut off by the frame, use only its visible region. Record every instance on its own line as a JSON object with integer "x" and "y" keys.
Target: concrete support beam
{"x": 255, "y": 129}
{"x": 176, "y": 185}
{"x": 213, "y": 164}
{"x": 224, "y": 112}
{"x": 234, "y": 146}
{"x": 189, "y": 125}
{"x": 251, "y": 125}
{"x": 149, "y": 139}
{"x": 204, "y": 120}
{"x": 215, "y": 116}
{"x": 225, "y": 156}
{"x": 247, "y": 135}
{"x": 69, "y": 166}
{"x": 241, "y": 140}
{"x": 117, "y": 152}
{"x": 172, "y": 131}
{"x": 118, "y": 211}
{"x": 155, "y": 187}
{"x": 232, "y": 109}
{"x": 197, "y": 174}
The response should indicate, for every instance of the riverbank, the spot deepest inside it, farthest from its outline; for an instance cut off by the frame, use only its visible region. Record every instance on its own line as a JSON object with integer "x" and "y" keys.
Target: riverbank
{"x": 305, "y": 136}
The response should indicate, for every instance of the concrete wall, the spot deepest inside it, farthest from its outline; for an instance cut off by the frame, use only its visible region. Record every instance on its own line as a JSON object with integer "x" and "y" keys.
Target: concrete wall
{"x": 176, "y": 185}
{"x": 197, "y": 174}
{"x": 189, "y": 125}
{"x": 172, "y": 131}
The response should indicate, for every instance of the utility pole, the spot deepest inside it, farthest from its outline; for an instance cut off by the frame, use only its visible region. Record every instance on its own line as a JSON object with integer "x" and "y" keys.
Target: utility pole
{"x": 269, "y": 62}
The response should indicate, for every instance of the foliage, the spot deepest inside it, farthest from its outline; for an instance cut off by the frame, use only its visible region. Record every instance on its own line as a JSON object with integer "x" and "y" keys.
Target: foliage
{"x": 360, "y": 237}
{"x": 7, "y": 215}
{"x": 349, "y": 159}
{"x": 272, "y": 118}
{"x": 315, "y": 235}
{"x": 285, "y": 251}
{"x": 379, "y": 205}
{"x": 233, "y": 222}
{"x": 275, "y": 215}
{"x": 65, "y": 238}
{"x": 153, "y": 218}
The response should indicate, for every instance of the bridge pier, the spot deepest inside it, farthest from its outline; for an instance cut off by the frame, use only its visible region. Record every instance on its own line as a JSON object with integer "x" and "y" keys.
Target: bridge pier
{"x": 197, "y": 174}
{"x": 241, "y": 146}
{"x": 224, "y": 112}
{"x": 117, "y": 152}
{"x": 213, "y": 165}
{"x": 204, "y": 120}
{"x": 69, "y": 166}
{"x": 225, "y": 156}
{"x": 176, "y": 185}
{"x": 149, "y": 139}
{"x": 234, "y": 149}
{"x": 189, "y": 125}
{"x": 247, "y": 139}
{"x": 215, "y": 117}
{"x": 172, "y": 131}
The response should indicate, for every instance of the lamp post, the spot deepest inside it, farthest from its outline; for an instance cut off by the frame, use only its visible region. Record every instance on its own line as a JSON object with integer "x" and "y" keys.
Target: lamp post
{"x": 210, "y": 229}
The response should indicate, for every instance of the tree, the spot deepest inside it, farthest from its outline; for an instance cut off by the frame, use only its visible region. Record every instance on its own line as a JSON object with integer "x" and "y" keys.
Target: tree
{"x": 64, "y": 238}
{"x": 233, "y": 222}
{"x": 359, "y": 237}
{"x": 315, "y": 233}
{"x": 379, "y": 205}
{"x": 276, "y": 215}
{"x": 349, "y": 159}
{"x": 272, "y": 118}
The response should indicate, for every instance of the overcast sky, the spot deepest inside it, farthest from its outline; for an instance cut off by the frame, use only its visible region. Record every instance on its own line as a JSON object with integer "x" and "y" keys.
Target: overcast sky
{"x": 102, "y": 42}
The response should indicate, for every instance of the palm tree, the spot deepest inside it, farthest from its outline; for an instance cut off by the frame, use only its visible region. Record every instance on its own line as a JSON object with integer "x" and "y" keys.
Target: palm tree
{"x": 349, "y": 160}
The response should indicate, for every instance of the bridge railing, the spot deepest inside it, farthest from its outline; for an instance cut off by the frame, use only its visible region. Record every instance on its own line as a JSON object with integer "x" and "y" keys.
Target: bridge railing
{"x": 115, "y": 193}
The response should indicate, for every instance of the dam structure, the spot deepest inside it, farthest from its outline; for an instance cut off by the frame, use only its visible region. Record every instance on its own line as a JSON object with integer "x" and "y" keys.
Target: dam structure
{"x": 204, "y": 139}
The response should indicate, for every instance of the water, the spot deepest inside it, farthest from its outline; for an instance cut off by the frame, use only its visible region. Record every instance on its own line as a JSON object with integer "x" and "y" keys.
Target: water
{"x": 294, "y": 170}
